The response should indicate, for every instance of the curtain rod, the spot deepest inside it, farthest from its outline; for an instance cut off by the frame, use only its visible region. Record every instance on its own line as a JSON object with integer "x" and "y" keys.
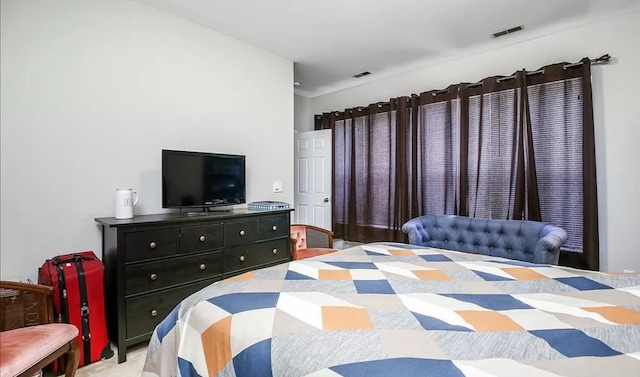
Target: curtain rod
{"x": 603, "y": 59}
{"x": 600, "y": 60}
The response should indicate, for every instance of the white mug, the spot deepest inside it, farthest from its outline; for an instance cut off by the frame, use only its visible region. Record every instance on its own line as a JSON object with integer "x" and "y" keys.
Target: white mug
{"x": 126, "y": 198}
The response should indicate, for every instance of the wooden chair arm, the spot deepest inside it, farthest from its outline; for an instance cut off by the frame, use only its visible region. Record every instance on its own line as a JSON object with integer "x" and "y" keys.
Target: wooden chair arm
{"x": 317, "y": 228}
{"x": 294, "y": 249}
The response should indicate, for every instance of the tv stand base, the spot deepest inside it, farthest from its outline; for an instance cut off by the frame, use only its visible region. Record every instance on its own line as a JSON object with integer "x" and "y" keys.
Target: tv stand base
{"x": 205, "y": 211}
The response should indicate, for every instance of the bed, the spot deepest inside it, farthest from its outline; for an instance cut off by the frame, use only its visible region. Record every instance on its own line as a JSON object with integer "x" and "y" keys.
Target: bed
{"x": 389, "y": 309}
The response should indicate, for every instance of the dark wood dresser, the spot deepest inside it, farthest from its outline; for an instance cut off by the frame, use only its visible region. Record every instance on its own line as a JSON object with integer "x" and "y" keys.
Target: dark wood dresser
{"x": 152, "y": 262}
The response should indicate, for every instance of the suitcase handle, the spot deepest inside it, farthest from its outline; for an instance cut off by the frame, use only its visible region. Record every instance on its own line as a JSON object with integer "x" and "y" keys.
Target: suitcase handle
{"x": 74, "y": 258}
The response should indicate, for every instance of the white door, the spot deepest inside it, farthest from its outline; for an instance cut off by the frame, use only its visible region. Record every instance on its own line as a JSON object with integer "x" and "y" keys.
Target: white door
{"x": 312, "y": 198}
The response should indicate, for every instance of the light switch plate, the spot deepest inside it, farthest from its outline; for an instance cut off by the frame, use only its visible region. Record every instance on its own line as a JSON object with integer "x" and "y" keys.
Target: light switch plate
{"x": 277, "y": 186}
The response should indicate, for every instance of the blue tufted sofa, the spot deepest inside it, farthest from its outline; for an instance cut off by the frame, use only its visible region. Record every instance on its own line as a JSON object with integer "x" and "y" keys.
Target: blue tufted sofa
{"x": 529, "y": 241}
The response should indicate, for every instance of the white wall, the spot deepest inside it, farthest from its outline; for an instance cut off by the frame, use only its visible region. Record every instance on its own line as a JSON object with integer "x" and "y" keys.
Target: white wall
{"x": 616, "y": 88}
{"x": 303, "y": 116}
{"x": 92, "y": 90}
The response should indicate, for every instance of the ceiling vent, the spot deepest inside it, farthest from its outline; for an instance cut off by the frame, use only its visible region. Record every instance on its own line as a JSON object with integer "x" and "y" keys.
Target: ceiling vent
{"x": 507, "y": 31}
{"x": 361, "y": 74}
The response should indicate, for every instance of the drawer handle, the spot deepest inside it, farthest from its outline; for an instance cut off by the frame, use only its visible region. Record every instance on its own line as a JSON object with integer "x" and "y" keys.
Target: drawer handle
{"x": 242, "y": 258}
{"x": 153, "y": 245}
{"x": 242, "y": 233}
{"x": 275, "y": 251}
{"x": 154, "y": 313}
{"x": 153, "y": 277}
{"x": 203, "y": 266}
{"x": 202, "y": 238}
{"x": 274, "y": 228}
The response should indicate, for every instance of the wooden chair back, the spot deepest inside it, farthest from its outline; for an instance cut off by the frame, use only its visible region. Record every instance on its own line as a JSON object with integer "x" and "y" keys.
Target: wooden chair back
{"x": 26, "y": 317}
{"x": 310, "y": 237}
{"x": 23, "y": 305}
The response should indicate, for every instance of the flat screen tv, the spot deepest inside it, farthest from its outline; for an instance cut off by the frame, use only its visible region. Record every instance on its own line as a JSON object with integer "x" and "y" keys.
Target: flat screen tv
{"x": 197, "y": 179}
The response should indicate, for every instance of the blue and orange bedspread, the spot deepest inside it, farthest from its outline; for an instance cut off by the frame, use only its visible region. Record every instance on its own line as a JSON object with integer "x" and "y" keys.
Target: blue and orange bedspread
{"x": 395, "y": 310}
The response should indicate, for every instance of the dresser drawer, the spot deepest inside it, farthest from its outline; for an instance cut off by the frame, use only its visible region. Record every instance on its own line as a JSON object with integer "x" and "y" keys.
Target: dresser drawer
{"x": 240, "y": 232}
{"x": 273, "y": 227}
{"x": 247, "y": 257}
{"x": 145, "y": 277}
{"x": 145, "y": 312}
{"x": 194, "y": 239}
{"x": 150, "y": 244}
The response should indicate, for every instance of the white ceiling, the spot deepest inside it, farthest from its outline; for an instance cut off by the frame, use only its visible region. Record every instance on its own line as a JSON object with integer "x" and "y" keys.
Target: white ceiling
{"x": 329, "y": 41}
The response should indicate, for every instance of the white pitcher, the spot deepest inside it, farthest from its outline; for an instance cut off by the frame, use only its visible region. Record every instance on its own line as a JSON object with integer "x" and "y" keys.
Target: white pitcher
{"x": 126, "y": 198}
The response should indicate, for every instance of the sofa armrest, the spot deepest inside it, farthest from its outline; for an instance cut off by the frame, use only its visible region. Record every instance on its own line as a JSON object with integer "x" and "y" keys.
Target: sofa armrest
{"x": 418, "y": 234}
{"x": 548, "y": 247}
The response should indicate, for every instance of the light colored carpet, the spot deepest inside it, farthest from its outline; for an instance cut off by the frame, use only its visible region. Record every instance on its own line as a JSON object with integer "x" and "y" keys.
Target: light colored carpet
{"x": 342, "y": 244}
{"x": 110, "y": 367}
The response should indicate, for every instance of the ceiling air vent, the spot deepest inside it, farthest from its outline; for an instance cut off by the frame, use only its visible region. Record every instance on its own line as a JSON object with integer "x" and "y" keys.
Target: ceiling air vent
{"x": 365, "y": 73}
{"x": 507, "y": 31}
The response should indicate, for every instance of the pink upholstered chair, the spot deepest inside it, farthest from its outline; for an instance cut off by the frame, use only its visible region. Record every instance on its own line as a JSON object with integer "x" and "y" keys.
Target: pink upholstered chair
{"x": 29, "y": 340}
{"x": 309, "y": 241}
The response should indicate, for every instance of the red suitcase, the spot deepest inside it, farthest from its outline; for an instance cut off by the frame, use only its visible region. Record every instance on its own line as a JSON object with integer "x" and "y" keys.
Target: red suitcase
{"x": 78, "y": 282}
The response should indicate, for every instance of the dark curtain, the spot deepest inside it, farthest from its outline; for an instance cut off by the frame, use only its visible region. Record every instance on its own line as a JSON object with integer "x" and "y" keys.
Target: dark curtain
{"x": 371, "y": 193}
{"x": 500, "y": 174}
{"x": 492, "y": 144}
{"x": 508, "y": 147}
{"x": 527, "y": 158}
{"x": 437, "y": 148}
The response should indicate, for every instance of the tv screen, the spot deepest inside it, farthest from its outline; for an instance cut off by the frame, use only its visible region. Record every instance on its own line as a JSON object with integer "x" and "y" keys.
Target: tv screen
{"x": 196, "y": 179}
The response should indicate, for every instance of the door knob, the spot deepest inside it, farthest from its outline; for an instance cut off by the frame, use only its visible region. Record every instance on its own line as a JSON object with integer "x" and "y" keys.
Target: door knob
{"x": 326, "y": 200}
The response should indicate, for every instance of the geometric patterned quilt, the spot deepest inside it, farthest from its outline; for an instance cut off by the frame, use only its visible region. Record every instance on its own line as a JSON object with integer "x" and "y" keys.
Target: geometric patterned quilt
{"x": 388, "y": 309}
